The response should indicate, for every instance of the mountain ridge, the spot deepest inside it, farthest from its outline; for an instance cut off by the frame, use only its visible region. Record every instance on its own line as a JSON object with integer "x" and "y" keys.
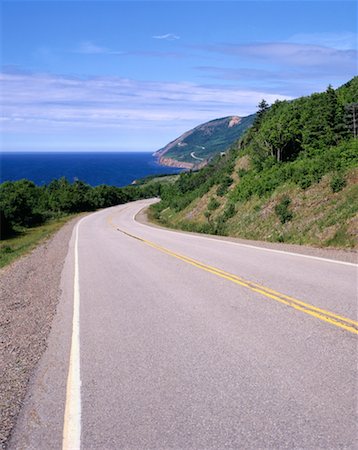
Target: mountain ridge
{"x": 194, "y": 148}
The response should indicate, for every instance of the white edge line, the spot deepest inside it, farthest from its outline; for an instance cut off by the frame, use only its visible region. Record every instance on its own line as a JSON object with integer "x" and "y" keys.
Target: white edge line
{"x": 248, "y": 245}
{"x": 72, "y": 416}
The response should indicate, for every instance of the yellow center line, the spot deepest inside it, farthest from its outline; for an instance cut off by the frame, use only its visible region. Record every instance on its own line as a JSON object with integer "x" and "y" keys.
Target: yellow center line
{"x": 319, "y": 313}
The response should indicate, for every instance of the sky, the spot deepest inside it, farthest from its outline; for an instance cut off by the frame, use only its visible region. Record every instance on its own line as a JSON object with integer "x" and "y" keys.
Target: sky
{"x": 133, "y": 75}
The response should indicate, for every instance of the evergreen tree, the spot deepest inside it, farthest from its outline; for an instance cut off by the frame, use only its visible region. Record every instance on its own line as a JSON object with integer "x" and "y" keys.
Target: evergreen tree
{"x": 263, "y": 107}
{"x": 351, "y": 118}
{"x": 335, "y": 115}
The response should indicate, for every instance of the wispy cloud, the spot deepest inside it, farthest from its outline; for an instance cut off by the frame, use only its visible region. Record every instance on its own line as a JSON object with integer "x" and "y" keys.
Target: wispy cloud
{"x": 287, "y": 82}
{"x": 301, "y": 64}
{"x": 167, "y": 37}
{"x": 35, "y": 102}
{"x": 292, "y": 54}
{"x": 89, "y": 48}
{"x": 340, "y": 41}
{"x": 300, "y": 55}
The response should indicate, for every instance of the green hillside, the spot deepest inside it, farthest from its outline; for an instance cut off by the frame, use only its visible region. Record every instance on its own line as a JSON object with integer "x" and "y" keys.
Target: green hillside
{"x": 205, "y": 141}
{"x": 292, "y": 177}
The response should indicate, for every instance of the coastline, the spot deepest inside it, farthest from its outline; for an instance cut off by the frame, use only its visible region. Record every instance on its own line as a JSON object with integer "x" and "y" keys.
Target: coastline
{"x": 169, "y": 162}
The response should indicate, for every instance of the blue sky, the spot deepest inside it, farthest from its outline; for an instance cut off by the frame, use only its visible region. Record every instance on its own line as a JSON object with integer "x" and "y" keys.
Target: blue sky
{"x": 133, "y": 75}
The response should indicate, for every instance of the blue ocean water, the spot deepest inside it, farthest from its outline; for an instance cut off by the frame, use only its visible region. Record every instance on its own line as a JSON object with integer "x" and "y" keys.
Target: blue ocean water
{"x": 115, "y": 169}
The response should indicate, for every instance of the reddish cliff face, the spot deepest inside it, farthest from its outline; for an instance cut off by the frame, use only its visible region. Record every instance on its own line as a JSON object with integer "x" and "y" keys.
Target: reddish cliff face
{"x": 172, "y": 163}
{"x": 234, "y": 121}
{"x": 169, "y": 162}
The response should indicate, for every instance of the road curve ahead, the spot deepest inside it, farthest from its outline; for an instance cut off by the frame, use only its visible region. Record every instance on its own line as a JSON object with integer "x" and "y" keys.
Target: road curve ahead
{"x": 165, "y": 340}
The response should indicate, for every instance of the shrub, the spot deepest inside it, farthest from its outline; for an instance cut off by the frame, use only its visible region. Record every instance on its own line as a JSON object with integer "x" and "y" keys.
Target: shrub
{"x": 229, "y": 211}
{"x": 338, "y": 182}
{"x": 207, "y": 214}
{"x": 221, "y": 190}
{"x": 282, "y": 211}
{"x": 224, "y": 185}
{"x": 213, "y": 204}
{"x": 241, "y": 172}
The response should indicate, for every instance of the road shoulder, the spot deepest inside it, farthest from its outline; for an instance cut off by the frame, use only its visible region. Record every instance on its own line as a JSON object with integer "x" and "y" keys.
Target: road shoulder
{"x": 30, "y": 291}
{"x": 350, "y": 256}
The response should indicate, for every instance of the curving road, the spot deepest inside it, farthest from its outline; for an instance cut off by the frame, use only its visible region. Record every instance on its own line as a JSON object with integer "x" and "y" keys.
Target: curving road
{"x": 165, "y": 340}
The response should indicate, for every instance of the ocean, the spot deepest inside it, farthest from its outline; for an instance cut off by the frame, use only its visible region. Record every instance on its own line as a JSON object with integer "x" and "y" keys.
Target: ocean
{"x": 94, "y": 168}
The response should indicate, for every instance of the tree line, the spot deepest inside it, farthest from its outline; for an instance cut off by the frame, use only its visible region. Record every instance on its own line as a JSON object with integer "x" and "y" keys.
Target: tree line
{"x": 307, "y": 124}
{"x": 24, "y": 204}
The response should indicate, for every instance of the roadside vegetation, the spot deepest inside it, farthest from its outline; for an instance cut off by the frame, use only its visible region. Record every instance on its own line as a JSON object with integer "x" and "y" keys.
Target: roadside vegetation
{"x": 30, "y": 213}
{"x": 153, "y": 179}
{"x": 292, "y": 177}
{"x": 26, "y": 239}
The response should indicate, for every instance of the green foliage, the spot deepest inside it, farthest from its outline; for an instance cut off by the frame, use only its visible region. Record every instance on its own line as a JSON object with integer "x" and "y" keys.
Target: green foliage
{"x": 292, "y": 143}
{"x": 209, "y": 139}
{"x": 159, "y": 178}
{"x": 195, "y": 184}
{"x": 348, "y": 92}
{"x": 341, "y": 239}
{"x": 308, "y": 124}
{"x": 351, "y": 118}
{"x": 23, "y": 204}
{"x": 241, "y": 172}
{"x": 306, "y": 170}
{"x": 338, "y": 182}
{"x": 228, "y": 212}
{"x": 19, "y": 203}
{"x": 224, "y": 185}
{"x": 282, "y": 211}
{"x": 263, "y": 107}
{"x": 213, "y": 204}
{"x": 26, "y": 239}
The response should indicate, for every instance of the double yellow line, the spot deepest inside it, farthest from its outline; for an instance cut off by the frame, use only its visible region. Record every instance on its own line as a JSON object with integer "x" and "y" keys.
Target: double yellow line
{"x": 322, "y": 314}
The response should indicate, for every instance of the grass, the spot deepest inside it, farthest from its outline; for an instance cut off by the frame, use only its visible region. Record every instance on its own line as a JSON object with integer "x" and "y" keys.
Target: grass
{"x": 317, "y": 215}
{"x": 27, "y": 239}
{"x": 151, "y": 179}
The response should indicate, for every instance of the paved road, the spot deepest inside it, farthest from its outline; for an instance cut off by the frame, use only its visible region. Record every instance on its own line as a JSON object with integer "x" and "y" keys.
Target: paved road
{"x": 187, "y": 342}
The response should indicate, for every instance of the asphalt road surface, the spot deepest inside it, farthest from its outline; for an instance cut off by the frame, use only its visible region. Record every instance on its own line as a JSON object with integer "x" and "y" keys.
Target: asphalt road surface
{"x": 165, "y": 340}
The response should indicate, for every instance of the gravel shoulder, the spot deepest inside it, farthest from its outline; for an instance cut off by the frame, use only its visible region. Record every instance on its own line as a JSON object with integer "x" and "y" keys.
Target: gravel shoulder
{"x": 29, "y": 293}
{"x": 350, "y": 256}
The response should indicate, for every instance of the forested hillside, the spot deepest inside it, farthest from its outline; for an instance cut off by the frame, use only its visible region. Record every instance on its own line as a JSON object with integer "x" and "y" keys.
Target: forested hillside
{"x": 197, "y": 146}
{"x": 291, "y": 178}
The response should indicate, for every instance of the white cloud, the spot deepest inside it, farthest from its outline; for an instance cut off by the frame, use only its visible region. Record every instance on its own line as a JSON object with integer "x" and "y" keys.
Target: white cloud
{"x": 299, "y": 55}
{"x": 89, "y": 48}
{"x": 35, "y": 102}
{"x": 294, "y": 55}
{"x": 167, "y": 37}
{"x": 338, "y": 41}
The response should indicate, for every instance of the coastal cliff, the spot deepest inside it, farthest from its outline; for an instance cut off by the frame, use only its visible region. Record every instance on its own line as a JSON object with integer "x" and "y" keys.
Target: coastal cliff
{"x": 194, "y": 148}
{"x": 169, "y": 162}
